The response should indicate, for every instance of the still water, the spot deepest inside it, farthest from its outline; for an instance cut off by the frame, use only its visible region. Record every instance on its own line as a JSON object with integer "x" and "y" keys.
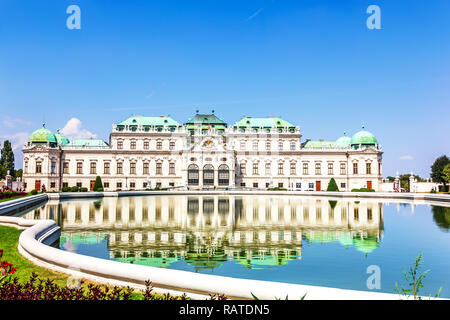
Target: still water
{"x": 305, "y": 240}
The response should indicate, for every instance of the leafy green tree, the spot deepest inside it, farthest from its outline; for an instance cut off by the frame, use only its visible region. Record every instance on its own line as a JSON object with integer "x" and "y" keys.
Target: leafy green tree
{"x": 7, "y": 160}
{"x": 19, "y": 174}
{"x": 446, "y": 172}
{"x": 98, "y": 184}
{"x": 332, "y": 185}
{"x": 437, "y": 169}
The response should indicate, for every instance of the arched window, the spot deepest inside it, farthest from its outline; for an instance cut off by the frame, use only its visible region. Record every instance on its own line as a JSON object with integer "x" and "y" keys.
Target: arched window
{"x": 208, "y": 175}
{"x": 224, "y": 175}
{"x": 193, "y": 175}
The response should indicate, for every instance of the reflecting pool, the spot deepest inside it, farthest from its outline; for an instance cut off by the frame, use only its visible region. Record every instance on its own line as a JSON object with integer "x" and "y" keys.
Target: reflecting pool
{"x": 305, "y": 240}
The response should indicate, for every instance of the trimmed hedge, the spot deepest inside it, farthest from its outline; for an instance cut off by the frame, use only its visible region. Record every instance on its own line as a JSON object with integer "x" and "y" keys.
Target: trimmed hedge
{"x": 363, "y": 190}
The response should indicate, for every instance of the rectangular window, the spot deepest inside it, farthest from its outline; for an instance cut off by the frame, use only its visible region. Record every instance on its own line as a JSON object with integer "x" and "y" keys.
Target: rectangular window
{"x": 79, "y": 167}
{"x": 293, "y": 169}
{"x": 355, "y": 168}
{"x": 255, "y": 184}
{"x": 38, "y": 167}
{"x": 280, "y": 185}
{"x": 171, "y": 168}
{"x": 93, "y": 168}
{"x": 159, "y": 168}
{"x": 146, "y": 145}
{"x": 133, "y": 168}
{"x": 65, "y": 184}
{"x": 53, "y": 167}
{"x": 119, "y": 185}
{"x": 343, "y": 185}
{"x": 119, "y": 168}
{"x": 132, "y": 185}
{"x": 305, "y": 169}
{"x": 79, "y": 184}
{"x": 133, "y": 144}
{"x": 298, "y": 185}
{"x": 172, "y": 145}
{"x": 106, "y": 168}
{"x": 105, "y": 185}
{"x": 242, "y": 145}
{"x": 292, "y": 146}
{"x": 330, "y": 169}
{"x": 120, "y": 144}
{"x": 25, "y": 167}
{"x": 368, "y": 168}
{"x": 255, "y": 145}
{"x": 343, "y": 169}
{"x": 268, "y": 145}
{"x": 146, "y": 168}
{"x": 242, "y": 167}
{"x": 280, "y": 145}
{"x": 65, "y": 167}
{"x": 280, "y": 169}
{"x": 318, "y": 169}
{"x": 268, "y": 169}
{"x": 159, "y": 145}
{"x": 52, "y": 184}
{"x": 255, "y": 169}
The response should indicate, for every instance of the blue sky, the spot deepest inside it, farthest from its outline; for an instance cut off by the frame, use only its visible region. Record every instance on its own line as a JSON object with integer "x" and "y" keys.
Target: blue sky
{"x": 312, "y": 62}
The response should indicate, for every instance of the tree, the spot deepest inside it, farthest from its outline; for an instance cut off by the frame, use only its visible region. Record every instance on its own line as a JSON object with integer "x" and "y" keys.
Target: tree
{"x": 332, "y": 185}
{"x": 446, "y": 173}
{"x": 7, "y": 160}
{"x": 437, "y": 169}
{"x": 18, "y": 174}
{"x": 98, "y": 184}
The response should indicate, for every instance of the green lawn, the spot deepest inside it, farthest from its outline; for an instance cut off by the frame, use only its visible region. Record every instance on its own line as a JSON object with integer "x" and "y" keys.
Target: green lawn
{"x": 9, "y": 238}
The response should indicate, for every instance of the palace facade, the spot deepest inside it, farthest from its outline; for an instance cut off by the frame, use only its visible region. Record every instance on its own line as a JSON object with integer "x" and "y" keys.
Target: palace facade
{"x": 203, "y": 153}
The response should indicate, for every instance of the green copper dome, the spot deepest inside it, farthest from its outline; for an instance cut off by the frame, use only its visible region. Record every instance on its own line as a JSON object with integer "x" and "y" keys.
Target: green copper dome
{"x": 364, "y": 138}
{"x": 344, "y": 141}
{"x": 62, "y": 140}
{"x": 43, "y": 135}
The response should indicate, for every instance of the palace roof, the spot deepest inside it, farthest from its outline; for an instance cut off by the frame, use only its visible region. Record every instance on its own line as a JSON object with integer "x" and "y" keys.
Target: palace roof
{"x": 268, "y": 122}
{"x": 137, "y": 120}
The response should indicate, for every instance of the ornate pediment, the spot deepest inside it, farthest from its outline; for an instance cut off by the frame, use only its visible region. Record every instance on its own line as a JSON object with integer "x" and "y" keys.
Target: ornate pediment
{"x": 209, "y": 144}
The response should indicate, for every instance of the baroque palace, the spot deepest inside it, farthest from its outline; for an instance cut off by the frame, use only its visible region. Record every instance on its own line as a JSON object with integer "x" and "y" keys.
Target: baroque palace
{"x": 203, "y": 153}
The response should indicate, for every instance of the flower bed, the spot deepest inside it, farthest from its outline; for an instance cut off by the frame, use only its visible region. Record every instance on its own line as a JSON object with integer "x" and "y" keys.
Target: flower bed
{"x": 11, "y": 194}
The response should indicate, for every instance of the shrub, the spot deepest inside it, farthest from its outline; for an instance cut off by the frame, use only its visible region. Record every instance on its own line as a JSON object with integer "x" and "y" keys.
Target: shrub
{"x": 97, "y": 184}
{"x": 65, "y": 189}
{"x": 83, "y": 189}
{"x": 100, "y": 189}
{"x": 355, "y": 190}
{"x": 332, "y": 185}
{"x": 33, "y": 192}
{"x": 75, "y": 189}
{"x": 277, "y": 189}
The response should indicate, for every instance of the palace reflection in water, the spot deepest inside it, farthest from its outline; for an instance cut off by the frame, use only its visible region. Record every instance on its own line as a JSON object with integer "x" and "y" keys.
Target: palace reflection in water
{"x": 204, "y": 231}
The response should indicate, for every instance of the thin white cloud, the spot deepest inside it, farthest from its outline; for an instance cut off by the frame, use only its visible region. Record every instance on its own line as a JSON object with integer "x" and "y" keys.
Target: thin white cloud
{"x": 254, "y": 14}
{"x": 18, "y": 140}
{"x": 73, "y": 130}
{"x": 9, "y": 122}
{"x": 406, "y": 158}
